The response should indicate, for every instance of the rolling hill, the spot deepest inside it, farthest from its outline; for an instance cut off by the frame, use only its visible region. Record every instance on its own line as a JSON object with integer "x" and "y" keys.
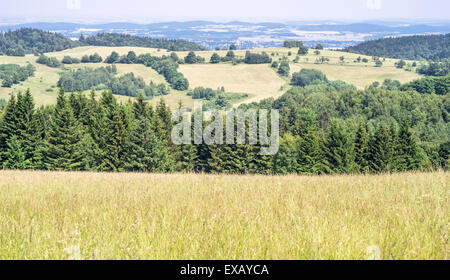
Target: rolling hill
{"x": 418, "y": 47}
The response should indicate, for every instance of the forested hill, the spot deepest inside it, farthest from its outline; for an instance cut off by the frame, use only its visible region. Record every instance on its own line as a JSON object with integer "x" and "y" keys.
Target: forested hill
{"x": 429, "y": 47}
{"x": 116, "y": 40}
{"x": 29, "y": 40}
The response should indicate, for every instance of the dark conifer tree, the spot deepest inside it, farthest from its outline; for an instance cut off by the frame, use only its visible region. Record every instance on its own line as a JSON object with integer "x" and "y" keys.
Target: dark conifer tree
{"x": 362, "y": 148}
{"x": 62, "y": 144}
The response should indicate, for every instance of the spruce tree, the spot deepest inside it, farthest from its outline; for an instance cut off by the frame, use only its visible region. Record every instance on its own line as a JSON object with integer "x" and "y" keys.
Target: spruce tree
{"x": 27, "y": 127}
{"x": 406, "y": 152}
{"x": 380, "y": 156}
{"x": 362, "y": 148}
{"x": 14, "y": 156}
{"x": 285, "y": 161}
{"x": 62, "y": 144}
{"x": 337, "y": 149}
{"x": 8, "y": 125}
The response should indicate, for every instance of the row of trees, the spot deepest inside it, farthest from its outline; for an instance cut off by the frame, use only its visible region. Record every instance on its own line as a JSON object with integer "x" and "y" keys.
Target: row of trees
{"x": 435, "y": 68}
{"x": 11, "y": 74}
{"x": 105, "y": 78}
{"x": 49, "y": 61}
{"x": 256, "y": 58}
{"x": 81, "y": 133}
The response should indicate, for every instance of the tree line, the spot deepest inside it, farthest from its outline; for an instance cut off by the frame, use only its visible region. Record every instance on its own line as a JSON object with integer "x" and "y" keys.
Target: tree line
{"x": 87, "y": 133}
{"x": 12, "y": 74}
{"x": 417, "y": 47}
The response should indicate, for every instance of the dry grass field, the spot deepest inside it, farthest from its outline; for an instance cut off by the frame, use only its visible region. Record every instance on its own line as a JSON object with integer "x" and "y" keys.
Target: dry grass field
{"x": 258, "y": 80}
{"x": 57, "y": 215}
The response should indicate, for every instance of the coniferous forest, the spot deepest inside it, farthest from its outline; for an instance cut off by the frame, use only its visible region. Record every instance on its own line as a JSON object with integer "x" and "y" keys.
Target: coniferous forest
{"x": 323, "y": 130}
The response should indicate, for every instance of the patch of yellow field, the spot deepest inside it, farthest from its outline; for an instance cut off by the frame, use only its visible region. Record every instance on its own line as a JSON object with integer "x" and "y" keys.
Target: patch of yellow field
{"x": 194, "y": 216}
{"x": 360, "y": 76}
{"x": 104, "y": 52}
{"x": 259, "y": 80}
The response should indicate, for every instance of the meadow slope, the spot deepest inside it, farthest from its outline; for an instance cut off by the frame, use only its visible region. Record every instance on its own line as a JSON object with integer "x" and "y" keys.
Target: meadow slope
{"x": 51, "y": 215}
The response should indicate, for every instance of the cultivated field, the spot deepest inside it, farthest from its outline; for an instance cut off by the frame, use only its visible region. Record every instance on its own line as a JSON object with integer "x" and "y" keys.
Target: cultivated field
{"x": 258, "y": 80}
{"x": 55, "y": 215}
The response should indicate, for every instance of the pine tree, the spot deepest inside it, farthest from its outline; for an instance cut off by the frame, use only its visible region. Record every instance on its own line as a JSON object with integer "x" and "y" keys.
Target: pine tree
{"x": 362, "y": 148}
{"x": 380, "y": 156}
{"x": 62, "y": 144}
{"x": 406, "y": 152}
{"x": 8, "y": 125}
{"x": 27, "y": 127}
{"x": 285, "y": 161}
{"x": 309, "y": 151}
{"x": 14, "y": 156}
{"x": 115, "y": 141}
{"x": 337, "y": 149}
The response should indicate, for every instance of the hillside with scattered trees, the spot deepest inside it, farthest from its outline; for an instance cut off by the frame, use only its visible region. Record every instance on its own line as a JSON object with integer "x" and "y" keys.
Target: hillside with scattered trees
{"x": 417, "y": 47}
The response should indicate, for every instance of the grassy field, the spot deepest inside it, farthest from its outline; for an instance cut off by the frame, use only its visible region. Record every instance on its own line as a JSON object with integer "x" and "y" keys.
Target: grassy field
{"x": 258, "y": 80}
{"x": 51, "y": 215}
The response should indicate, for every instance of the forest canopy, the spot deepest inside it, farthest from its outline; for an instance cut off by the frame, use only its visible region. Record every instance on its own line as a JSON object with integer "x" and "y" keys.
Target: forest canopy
{"x": 427, "y": 47}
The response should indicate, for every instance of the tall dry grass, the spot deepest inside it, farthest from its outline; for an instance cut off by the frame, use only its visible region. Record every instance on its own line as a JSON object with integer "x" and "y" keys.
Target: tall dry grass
{"x": 51, "y": 215}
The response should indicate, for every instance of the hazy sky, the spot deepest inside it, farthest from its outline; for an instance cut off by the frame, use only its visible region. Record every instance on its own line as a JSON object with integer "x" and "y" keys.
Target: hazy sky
{"x": 247, "y": 10}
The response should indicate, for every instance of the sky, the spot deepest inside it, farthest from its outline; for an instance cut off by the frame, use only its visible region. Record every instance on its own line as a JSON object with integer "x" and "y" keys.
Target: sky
{"x": 244, "y": 10}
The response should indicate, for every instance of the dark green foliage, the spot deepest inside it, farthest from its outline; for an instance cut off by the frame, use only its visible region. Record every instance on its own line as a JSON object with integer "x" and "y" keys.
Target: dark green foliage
{"x": 405, "y": 153}
{"x": 11, "y": 74}
{"x": 233, "y": 47}
{"x": 117, "y": 40}
{"x": 104, "y": 77}
{"x": 114, "y": 57}
{"x": 308, "y": 77}
{"x": 428, "y": 47}
{"x": 29, "y": 40}
{"x": 284, "y": 69}
{"x": 70, "y": 60}
{"x": 14, "y": 156}
{"x": 337, "y": 149}
{"x": 362, "y": 151}
{"x": 49, "y": 61}
{"x": 434, "y": 68}
{"x": 381, "y": 150}
{"x": 61, "y": 151}
{"x": 215, "y": 58}
{"x": 229, "y": 56}
{"x": 166, "y": 67}
{"x": 255, "y": 58}
{"x": 303, "y": 50}
{"x": 428, "y": 85}
{"x": 292, "y": 44}
{"x": 191, "y": 58}
{"x": 400, "y": 64}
